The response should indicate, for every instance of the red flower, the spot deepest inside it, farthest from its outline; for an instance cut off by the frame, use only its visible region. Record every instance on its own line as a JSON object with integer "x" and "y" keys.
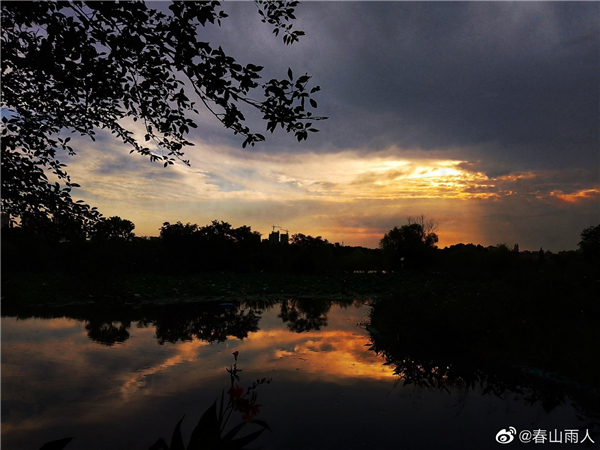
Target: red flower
{"x": 251, "y": 412}
{"x": 247, "y": 408}
{"x": 235, "y": 354}
{"x": 236, "y": 392}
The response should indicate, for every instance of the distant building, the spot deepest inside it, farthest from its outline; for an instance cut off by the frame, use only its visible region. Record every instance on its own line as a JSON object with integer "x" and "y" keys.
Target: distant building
{"x": 274, "y": 237}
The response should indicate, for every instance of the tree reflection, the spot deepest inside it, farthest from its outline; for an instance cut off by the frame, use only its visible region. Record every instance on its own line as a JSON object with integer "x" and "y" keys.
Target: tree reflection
{"x": 303, "y": 315}
{"x": 416, "y": 364}
{"x": 108, "y": 332}
{"x": 210, "y": 323}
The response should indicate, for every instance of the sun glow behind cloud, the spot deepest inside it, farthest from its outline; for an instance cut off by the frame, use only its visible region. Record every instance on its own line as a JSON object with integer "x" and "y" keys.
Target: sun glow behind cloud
{"x": 225, "y": 173}
{"x": 352, "y": 196}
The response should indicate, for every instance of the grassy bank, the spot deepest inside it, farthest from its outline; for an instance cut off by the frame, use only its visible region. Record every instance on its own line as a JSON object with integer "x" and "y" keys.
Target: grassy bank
{"x": 24, "y": 289}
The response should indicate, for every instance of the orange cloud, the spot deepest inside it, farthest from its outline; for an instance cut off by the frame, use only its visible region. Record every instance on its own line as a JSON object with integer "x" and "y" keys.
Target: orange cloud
{"x": 583, "y": 194}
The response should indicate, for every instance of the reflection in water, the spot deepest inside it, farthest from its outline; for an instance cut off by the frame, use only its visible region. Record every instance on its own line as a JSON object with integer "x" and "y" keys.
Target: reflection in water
{"x": 450, "y": 372}
{"x": 107, "y": 332}
{"x": 304, "y": 315}
{"x": 209, "y": 321}
{"x": 209, "y": 433}
{"x": 57, "y": 381}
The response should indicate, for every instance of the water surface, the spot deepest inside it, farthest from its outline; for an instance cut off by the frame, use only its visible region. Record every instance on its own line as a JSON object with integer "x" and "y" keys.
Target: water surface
{"x": 122, "y": 380}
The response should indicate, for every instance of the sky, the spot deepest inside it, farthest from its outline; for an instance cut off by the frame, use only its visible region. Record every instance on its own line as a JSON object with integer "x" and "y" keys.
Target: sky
{"x": 484, "y": 116}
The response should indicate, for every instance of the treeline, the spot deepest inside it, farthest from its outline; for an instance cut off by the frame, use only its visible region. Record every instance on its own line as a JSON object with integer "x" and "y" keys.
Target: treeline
{"x": 189, "y": 248}
{"x": 179, "y": 249}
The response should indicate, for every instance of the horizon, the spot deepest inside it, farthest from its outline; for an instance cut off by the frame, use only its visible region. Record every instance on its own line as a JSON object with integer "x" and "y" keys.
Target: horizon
{"x": 264, "y": 237}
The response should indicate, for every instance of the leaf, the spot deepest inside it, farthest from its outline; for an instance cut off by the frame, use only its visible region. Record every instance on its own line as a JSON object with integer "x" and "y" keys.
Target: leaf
{"x": 207, "y": 433}
{"x": 159, "y": 445}
{"x": 220, "y": 418}
{"x": 176, "y": 439}
{"x": 262, "y": 423}
{"x": 56, "y": 445}
{"x": 290, "y": 74}
{"x": 313, "y": 103}
{"x": 235, "y": 430}
{"x": 238, "y": 444}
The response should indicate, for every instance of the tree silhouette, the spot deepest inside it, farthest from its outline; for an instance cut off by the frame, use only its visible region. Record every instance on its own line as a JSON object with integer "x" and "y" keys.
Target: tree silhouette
{"x": 410, "y": 242}
{"x": 590, "y": 243}
{"x": 83, "y": 66}
{"x": 113, "y": 228}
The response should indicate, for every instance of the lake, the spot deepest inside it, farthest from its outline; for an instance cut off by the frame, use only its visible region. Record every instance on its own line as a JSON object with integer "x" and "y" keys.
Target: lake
{"x": 123, "y": 379}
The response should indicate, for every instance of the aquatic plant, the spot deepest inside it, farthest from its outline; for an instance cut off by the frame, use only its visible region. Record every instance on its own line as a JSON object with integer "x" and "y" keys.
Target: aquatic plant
{"x": 208, "y": 434}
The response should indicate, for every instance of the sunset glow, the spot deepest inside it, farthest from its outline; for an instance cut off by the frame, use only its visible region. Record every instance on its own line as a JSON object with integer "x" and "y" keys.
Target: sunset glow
{"x": 584, "y": 194}
{"x": 446, "y": 137}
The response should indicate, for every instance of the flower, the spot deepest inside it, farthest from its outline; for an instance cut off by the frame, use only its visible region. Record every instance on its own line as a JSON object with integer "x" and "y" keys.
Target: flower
{"x": 236, "y": 392}
{"x": 251, "y": 412}
{"x": 235, "y": 354}
{"x": 247, "y": 408}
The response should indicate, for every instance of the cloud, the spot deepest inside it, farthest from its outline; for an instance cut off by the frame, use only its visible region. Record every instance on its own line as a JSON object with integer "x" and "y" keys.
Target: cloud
{"x": 578, "y": 196}
{"x": 352, "y": 195}
{"x": 482, "y": 115}
{"x": 505, "y": 81}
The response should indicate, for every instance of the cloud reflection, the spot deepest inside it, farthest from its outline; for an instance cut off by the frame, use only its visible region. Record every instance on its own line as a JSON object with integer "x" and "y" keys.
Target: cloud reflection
{"x": 73, "y": 381}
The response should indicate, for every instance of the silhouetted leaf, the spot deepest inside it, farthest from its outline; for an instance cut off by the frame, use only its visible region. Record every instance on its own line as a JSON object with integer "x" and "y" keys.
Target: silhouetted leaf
{"x": 56, "y": 445}
{"x": 235, "y": 430}
{"x": 262, "y": 423}
{"x": 207, "y": 433}
{"x": 176, "y": 439}
{"x": 238, "y": 444}
{"x": 222, "y": 404}
{"x": 159, "y": 445}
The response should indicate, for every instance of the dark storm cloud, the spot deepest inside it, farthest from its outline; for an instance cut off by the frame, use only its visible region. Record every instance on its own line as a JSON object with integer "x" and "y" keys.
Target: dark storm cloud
{"x": 436, "y": 75}
{"x": 518, "y": 81}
